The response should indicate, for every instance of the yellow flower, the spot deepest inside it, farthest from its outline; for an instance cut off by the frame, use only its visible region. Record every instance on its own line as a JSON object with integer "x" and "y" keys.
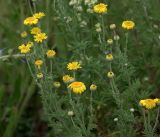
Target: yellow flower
{"x": 24, "y": 49}
{"x": 110, "y": 41}
{"x": 38, "y": 63}
{"x": 40, "y": 37}
{"x": 67, "y": 79}
{"x": 77, "y": 87}
{"x": 39, "y": 15}
{"x": 40, "y": 75}
{"x": 56, "y": 84}
{"x": 30, "y": 21}
{"x": 73, "y": 65}
{"x": 24, "y": 34}
{"x": 128, "y": 24}
{"x": 109, "y": 57}
{"x": 29, "y": 44}
{"x": 157, "y": 101}
{"x": 100, "y": 8}
{"x": 93, "y": 87}
{"x": 148, "y": 103}
{"x": 110, "y": 74}
{"x": 50, "y": 53}
{"x": 35, "y": 30}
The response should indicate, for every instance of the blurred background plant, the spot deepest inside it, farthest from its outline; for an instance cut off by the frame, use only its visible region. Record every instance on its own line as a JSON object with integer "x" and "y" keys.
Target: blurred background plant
{"x": 18, "y": 114}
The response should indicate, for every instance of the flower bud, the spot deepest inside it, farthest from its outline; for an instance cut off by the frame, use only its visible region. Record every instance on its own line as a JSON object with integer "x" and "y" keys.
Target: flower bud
{"x": 93, "y": 87}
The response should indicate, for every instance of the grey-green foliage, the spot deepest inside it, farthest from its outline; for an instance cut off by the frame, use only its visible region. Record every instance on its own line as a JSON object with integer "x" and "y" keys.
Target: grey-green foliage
{"x": 74, "y": 42}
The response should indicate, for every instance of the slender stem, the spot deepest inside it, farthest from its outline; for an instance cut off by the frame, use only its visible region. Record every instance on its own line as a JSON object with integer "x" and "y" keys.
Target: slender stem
{"x": 156, "y": 122}
{"x": 91, "y": 103}
{"x": 100, "y": 40}
{"x": 30, "y": 7}
{"x": 126, "y": 48}
{"x": 30, "y": 69}
{"x": 103, "y": 28}
{"x": 145, "y": 121}
{"x": 73, "y": 122}
{"x": 51, "y": 66}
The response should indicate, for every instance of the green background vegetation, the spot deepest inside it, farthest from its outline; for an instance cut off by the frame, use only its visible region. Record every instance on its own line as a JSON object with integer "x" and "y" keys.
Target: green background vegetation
{"x": 21, "y": 113}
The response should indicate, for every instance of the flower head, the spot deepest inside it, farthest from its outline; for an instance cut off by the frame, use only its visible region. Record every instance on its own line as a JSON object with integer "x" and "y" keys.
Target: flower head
{"x": 109, "y": 57}
{"x": 93, "y": 87}
{"x": 56, "y": 84}
{"x": 110, "y": 41}
{"x": 24, "y": 34}
{"x": 67, "y": 79}
{"x": 100, "y": 8}
{"x": 40, "y": 75}
{"x": 39, "y": 15}
{"x": 38, "y": 63}
{"x": 77, "y": 87}
{"x": 24, "y": 49}
{"x": 50, "y": 53}
{"x": 30, "y": 21}
{"x": 73, "y": 65}
{"x": 40, "y": 37}
{"x": 128, "y": 24}
{"x": 148, "y": 103}
{"x": 110, "y": 74}
{"x": 35, "y": 30}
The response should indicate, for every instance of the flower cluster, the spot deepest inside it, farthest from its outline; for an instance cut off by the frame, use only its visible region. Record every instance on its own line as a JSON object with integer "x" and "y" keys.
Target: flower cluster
{"x": 33, "y": 19}
{"x": 39, "y": 36}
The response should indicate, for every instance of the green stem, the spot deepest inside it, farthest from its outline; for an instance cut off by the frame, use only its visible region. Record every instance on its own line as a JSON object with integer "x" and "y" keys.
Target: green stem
{"x": 103, "y": 28}
{"x": 126, "y": 48}
{"x": 156, "y": 122}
